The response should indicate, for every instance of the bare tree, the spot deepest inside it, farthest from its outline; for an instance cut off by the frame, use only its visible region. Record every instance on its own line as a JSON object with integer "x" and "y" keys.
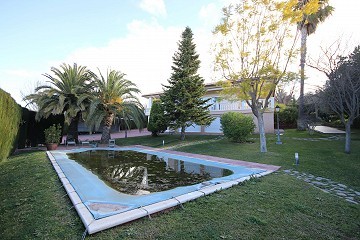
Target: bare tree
{"x": 285, "y": 90}
{"x": 341, "y": 92}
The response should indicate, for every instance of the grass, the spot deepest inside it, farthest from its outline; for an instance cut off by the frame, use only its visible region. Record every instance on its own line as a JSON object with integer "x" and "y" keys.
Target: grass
{"x": 277, "y": 206}
{"x": 324, "y": 158}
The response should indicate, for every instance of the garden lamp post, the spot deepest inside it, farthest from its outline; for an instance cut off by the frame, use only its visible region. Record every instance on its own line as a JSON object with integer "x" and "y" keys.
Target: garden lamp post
{"x": 277, "y": 110}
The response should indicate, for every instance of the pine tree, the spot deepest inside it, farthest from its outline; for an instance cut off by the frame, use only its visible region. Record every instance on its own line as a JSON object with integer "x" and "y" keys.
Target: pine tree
{"x": 182, "y": 98}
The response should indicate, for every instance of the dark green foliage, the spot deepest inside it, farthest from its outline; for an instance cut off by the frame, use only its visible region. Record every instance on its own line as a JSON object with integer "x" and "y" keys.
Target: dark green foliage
{"x": 356, "y": 123}
{"x": 53, "y": 134}
{"x": 69, "y": 93}
{"x": 236, "y": 126}
{"x": 114, "y": 96}
{"x": 182, "y": 98}
{"x": 31, "y": 132}
{"x": 10, "y": 117}
{"x": 157, "y": 121}
{"x": 287, "y": 116}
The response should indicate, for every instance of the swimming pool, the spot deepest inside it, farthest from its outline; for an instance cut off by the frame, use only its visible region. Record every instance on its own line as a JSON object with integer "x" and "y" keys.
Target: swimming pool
{"x": 136, "y": 173}
{"x": 101, "y": 206}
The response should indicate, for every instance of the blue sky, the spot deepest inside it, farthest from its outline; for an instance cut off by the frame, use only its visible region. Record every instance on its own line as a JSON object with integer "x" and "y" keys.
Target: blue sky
{"x": 137, "y": 37}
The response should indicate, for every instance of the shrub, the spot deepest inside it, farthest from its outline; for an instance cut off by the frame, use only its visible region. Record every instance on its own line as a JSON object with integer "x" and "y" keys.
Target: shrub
{"x": 10, "y": 116}
{"x": 157, "y": 121}
{"x": 288, "y": 117}
{"x": 236, "y": 126}
{"x": 53, "y": 134}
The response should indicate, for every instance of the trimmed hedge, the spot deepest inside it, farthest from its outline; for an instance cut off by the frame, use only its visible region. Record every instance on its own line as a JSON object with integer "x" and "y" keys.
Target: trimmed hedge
{"x": 31, "y": 132}
{"x": 10, "y": 117}
{"x": 236, "y": 126}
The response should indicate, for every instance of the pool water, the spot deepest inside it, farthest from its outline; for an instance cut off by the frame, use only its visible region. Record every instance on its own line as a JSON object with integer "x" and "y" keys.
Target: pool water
{"x": 137, "y": 173}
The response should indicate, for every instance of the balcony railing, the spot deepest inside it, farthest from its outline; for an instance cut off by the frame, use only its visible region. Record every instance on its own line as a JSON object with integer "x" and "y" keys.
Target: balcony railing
{"x": 225, "y": 105}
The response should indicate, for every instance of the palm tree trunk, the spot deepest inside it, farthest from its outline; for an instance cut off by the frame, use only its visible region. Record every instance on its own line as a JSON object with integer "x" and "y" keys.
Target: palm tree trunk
{"x": 182, "y": 133}
{"x": 105, "y": 137}
{"x": 301, "y": 124}
{"x": 73, "y": 129}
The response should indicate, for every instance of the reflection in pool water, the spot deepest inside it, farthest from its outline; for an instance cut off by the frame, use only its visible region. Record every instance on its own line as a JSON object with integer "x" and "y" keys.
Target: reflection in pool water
{"x": 138, "y": 173}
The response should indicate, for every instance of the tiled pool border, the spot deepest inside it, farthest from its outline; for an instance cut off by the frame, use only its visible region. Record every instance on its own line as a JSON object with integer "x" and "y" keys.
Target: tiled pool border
{"x": 95, "y": 225}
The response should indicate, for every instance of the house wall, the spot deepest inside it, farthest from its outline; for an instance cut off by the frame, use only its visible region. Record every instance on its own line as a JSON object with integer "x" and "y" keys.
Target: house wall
{"x": 215, "y": 126}
{"x": 220, "y": 107}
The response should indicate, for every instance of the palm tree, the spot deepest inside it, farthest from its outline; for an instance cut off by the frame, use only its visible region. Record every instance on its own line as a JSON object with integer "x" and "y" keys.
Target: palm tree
{"x": 114, "y": 96}
{"x": 132, "y": 113}
{"x": 307, "y": 26}
{"x": 68, "y": 93}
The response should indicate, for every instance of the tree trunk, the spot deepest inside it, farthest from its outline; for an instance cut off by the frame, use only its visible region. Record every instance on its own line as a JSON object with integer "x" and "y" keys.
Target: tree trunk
{"x": 261, "y": 127}
{"x": 73, "y": 129}
{"x": 301, "y": 124}
{"x": 182, "y": 133}
{"x": 105, "y": 137}
{"x": 347, "y": 137}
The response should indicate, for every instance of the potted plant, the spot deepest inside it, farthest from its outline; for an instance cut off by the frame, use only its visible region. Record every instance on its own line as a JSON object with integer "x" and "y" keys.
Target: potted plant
{"x": 52, "y": 136}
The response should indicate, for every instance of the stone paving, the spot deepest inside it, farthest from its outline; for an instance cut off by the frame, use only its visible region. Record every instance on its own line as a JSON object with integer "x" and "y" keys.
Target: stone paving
{"x": 327, "y": 185}
{"x": 331, "y": 138}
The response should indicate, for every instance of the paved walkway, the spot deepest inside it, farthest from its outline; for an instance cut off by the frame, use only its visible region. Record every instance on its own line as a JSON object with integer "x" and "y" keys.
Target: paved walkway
{"x": 328, "y": 186}
{"x": 330, "y": 130}
{"x": 94, "y": 137}
{"x": 97, "y": 136}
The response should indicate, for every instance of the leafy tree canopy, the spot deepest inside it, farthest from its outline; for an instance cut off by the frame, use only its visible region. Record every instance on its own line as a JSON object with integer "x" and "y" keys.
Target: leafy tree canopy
{"x": 255, "y": 46}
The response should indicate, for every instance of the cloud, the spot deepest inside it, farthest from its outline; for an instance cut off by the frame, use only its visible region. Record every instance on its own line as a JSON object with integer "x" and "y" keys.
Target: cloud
{"x": 21, "y": 73}
{"x": 154, "y": 7}
{"x": 19, "y": 81}
{"x": 210, "y": 14}
{"x": 144, "y": 54}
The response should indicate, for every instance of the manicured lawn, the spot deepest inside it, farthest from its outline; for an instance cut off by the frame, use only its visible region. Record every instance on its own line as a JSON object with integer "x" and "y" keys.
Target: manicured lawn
{"x": 277, "y": 206}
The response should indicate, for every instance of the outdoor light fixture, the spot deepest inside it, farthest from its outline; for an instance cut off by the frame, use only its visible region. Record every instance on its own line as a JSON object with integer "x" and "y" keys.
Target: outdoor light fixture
{"x": 296, "y": 159}
{"x": 277, "y": 110}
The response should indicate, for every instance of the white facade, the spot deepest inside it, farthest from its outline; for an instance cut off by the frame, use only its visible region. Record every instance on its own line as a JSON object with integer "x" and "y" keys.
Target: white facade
{"x": 221, "y": 106}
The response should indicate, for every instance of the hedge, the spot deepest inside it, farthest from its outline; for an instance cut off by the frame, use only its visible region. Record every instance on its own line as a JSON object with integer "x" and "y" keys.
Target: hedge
{"x": 236, "y": 126}
{"x": 31, "y": 132}
{"x": 10, "y": 117}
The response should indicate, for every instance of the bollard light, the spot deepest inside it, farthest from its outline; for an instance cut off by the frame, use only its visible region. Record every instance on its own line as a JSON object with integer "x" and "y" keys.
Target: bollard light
{"x": 163, "y": 142}
{"x": 296, "y": 159}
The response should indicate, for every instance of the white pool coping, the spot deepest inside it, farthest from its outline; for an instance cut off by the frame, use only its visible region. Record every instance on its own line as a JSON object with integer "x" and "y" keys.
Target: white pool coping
{"x": 93, "y": 225}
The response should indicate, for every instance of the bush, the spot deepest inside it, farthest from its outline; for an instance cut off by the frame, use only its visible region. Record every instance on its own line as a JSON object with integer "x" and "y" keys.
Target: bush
{"x": 288, "y": 117}
{"x": 53, "y": 134}
{"x": 157, "y": 121}
{"x": 10, "y": 116}
{"x": 236, "y": 126}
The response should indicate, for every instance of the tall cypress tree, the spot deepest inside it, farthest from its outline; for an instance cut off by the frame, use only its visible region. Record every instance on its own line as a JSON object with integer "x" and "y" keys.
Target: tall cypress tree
{"x": 182, "y": 98}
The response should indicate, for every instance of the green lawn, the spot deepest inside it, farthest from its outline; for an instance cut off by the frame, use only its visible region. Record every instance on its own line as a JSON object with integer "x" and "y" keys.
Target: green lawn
{"x": 277, "y": 206}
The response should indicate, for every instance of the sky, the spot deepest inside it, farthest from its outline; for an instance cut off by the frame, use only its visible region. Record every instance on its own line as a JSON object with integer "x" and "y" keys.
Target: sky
{"x": 136, "y": 37}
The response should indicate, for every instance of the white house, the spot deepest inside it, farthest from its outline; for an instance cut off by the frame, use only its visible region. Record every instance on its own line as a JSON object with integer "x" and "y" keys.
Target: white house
{"x": 220, "y": 107}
